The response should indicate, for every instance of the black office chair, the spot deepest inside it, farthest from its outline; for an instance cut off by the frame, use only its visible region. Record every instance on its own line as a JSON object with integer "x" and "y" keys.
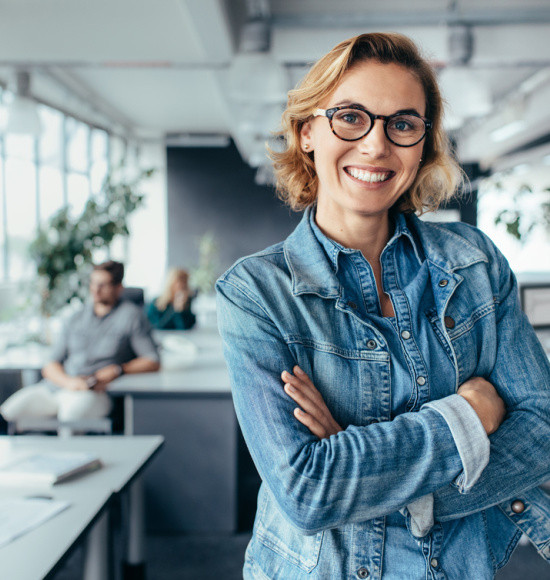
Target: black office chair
{"x": 134, "y": 295}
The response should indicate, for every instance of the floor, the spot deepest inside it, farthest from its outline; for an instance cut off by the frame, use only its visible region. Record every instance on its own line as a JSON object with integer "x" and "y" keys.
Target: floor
{"x": 203, "y": 557}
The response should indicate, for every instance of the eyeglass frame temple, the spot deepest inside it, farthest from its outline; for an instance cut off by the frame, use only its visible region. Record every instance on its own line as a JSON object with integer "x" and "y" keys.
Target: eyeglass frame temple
{"x": 324, "y": 113}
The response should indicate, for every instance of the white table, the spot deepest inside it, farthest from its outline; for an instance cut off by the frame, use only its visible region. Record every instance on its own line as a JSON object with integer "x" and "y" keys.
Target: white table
{"x": 193, "y": 486}
{"x": 36, "y": 554}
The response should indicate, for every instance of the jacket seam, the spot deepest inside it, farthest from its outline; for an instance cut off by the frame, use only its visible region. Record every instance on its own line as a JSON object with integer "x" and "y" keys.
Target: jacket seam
{"x": 248, "y": 295}
{"x": 488, "y": 541}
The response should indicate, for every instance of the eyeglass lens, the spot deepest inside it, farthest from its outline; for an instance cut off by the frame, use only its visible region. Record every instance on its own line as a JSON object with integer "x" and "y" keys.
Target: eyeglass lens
{"x": 352, "y": 124}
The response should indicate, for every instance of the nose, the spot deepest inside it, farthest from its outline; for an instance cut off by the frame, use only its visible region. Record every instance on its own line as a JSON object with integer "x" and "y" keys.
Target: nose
{"x": 375, "y": 143}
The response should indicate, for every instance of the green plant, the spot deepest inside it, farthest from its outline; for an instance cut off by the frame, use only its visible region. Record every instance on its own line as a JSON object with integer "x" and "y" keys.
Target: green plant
{"x": 526, "y": 206}
{"x": 63, "y": 250}
{"x": 204, "y": 275}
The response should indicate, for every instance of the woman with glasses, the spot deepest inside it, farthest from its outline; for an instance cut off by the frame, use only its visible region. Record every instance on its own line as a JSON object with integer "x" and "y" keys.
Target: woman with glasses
{"x": 372, "y": 354}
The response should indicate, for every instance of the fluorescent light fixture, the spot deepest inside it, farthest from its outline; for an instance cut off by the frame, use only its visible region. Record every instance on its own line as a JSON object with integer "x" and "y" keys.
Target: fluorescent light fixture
{"x": 22, "y": 116}
{"x": 521, "y": 169}
{"x": 196, "y": 140}
{"x": 507, "y": 131}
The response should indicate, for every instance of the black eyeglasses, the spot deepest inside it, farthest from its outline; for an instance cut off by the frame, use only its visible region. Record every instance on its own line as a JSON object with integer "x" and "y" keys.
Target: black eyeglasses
{"x": 353, "y": 122}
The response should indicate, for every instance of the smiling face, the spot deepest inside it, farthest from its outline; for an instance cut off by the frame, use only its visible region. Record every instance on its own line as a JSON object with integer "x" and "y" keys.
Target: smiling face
{"x": 364, "y": 178}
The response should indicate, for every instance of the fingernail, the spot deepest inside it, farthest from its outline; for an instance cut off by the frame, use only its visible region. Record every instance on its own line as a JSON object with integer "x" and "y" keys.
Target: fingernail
{"x": 290, "y": 388}
{"x": 285, "y": 375}
{"x": 298, "y": 370}
{"x": 298, "y": 411}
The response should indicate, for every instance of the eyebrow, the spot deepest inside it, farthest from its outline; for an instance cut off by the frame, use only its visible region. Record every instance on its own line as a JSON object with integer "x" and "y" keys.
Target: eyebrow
{"x": 399, "y": 112}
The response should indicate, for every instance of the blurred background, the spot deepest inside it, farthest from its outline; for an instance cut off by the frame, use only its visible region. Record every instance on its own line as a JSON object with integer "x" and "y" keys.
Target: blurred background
{"x": 194, "y": 91}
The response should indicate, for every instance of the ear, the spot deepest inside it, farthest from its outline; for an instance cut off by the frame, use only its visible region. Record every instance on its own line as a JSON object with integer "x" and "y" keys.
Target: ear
{"x": 306, "y": 138}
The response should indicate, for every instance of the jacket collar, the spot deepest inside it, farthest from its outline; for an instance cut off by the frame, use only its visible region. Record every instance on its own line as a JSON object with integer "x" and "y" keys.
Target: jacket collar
{"x": 446, "y": 249}
{"x": 313, "y": 272}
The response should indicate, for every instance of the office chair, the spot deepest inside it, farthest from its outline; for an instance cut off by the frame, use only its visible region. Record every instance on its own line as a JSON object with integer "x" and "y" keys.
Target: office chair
{"x": 134, "y": 295}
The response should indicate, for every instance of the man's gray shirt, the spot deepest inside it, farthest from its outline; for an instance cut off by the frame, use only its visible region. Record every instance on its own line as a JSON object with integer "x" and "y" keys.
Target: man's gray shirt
{"x": 89, "y": 343}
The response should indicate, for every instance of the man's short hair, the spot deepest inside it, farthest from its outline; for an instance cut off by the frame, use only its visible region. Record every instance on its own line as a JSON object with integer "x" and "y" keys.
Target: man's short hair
{"x": 116, "y": 269}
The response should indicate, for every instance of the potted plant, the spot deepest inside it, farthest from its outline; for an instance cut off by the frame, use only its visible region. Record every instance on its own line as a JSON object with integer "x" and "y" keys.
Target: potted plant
{"x": 64, "y": 248}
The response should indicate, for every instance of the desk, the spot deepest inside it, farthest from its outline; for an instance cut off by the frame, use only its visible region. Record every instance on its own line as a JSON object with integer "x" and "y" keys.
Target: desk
{"x": 26, "y": 359}
{"x": 193, "y": 486}
{"x": 36, "y": 554}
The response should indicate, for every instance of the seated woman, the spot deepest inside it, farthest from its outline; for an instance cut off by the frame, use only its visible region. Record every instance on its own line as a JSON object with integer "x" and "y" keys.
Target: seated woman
{"x": 172, "y": 309}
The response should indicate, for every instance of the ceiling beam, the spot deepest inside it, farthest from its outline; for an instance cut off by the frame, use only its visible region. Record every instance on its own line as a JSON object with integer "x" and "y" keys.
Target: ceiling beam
{"x": 372, "y": 20}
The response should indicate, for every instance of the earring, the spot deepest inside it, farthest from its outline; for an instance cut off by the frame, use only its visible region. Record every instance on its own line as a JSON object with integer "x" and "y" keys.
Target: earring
{"x": 306, "y": 147}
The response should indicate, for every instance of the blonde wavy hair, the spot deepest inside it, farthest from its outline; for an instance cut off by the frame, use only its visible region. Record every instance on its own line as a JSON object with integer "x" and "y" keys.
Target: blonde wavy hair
{"x": 439, "y": 175}
{"x": 168, "y": 294}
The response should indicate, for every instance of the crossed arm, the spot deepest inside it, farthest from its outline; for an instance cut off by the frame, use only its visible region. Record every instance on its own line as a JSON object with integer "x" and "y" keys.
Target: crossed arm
{"x": 316, "y": 416}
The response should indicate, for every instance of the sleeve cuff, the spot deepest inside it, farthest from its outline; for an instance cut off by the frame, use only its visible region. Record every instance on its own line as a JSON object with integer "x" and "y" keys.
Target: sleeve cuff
{"x": 469, "y": 437}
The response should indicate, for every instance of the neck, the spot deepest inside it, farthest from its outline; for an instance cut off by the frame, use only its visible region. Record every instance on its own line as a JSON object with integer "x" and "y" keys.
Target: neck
{"x": 102, "y": 310}
{"x": 369, "y": 234}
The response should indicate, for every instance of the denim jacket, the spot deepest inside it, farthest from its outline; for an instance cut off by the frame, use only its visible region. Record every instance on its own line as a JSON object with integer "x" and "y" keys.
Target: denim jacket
{"x": 320, "y": 499}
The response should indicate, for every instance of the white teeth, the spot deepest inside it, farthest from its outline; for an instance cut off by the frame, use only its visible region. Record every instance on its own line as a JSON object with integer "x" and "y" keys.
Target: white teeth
{"x": 368, "y": 176}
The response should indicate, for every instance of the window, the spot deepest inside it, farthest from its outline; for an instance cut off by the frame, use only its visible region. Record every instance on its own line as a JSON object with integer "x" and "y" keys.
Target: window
{"x": 65, "y": 165}
{"x": 20, "y": 201}
{"x": 524, "y": 189}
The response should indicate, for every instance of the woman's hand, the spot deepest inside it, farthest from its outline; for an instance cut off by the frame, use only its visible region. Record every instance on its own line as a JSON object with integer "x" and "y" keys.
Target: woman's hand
{"x": 180, "y": 300}
{"x": 314, "y": 413}
{"x": 485, "y": 401}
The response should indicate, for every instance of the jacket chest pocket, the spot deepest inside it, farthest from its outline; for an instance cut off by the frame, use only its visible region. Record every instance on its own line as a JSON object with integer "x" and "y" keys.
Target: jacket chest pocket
{"x": 466, "y": 338}
{"x": 354, "y": 383}
{"x": 273, "y": 531}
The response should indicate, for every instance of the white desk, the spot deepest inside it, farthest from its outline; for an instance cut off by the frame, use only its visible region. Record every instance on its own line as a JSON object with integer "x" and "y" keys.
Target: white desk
{"x": 34, "y": 555}
{"x": 189, "y": 403}
{"x": 193, "y": 486}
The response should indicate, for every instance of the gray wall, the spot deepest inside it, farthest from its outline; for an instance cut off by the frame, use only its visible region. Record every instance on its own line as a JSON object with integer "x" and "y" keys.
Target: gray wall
{"x": 212, "y": 189}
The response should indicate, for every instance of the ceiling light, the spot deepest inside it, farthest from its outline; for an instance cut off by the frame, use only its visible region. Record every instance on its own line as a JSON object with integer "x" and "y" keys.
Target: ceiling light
{"x": 507, "y": 131}
{"x": 22, "y": 116}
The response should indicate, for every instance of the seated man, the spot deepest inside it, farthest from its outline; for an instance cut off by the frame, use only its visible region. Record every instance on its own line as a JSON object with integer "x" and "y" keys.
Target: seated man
{"x": 105, "y": 339}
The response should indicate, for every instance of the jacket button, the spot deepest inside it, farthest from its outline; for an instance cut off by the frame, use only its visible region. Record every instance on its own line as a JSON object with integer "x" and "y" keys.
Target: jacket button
{"x": 371, "y": 344}
{"x": 518, "y": 506}
{"x": 434, "y": 563}
{"x": 406, "y": 334}
{"x": 421, "y": 380}
{"x": 449, "y": 322}
{"x": 443, "y": 283}
{"x": 362, "y": 573}
{"x": 352, "y": 305}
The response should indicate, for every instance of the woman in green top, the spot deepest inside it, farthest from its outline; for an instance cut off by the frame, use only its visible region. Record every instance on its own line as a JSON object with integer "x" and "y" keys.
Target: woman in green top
{"x": 172, "y": 309}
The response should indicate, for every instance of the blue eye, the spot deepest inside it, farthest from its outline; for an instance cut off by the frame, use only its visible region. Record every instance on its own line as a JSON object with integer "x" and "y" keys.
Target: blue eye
{"x": 402, "y": 125}
{"x": 405, "y": 124}
{"x": 349, "y": 117}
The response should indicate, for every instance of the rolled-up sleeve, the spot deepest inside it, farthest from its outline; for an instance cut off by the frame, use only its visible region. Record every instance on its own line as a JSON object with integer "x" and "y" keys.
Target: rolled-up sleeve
{"x": 520, "y": 448}
{"x": 141, "y": 338}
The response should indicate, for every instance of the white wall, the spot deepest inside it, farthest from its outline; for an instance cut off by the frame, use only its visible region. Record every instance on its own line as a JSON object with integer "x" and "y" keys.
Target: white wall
{"x": 146, "y": 250}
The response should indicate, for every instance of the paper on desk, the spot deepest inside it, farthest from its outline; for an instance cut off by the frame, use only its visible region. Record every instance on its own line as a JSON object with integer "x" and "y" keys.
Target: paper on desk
{"x": 20, "y": 515}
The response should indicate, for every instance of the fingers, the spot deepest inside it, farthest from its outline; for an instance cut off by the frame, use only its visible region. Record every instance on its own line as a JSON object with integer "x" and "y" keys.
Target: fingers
{"x": 303, "y": 392}
{"x": 313, "y": 411}
{"x": 311, "y": 423}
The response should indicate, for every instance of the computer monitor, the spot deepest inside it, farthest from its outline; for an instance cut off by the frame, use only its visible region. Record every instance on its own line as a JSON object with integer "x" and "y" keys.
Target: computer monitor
{"x": 535, "y": 301}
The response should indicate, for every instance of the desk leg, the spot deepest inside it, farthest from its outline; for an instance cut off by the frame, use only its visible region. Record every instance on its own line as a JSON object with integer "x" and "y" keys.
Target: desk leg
{"x": 128, "y": 415}
{"x": 134, "y": 568}
{"x": 96, "y": 553}
{"x": 30, "y": 377}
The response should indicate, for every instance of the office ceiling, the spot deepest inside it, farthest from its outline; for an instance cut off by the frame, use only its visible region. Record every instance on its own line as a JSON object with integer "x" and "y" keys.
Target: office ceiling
{"x": 195, "y": 71}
